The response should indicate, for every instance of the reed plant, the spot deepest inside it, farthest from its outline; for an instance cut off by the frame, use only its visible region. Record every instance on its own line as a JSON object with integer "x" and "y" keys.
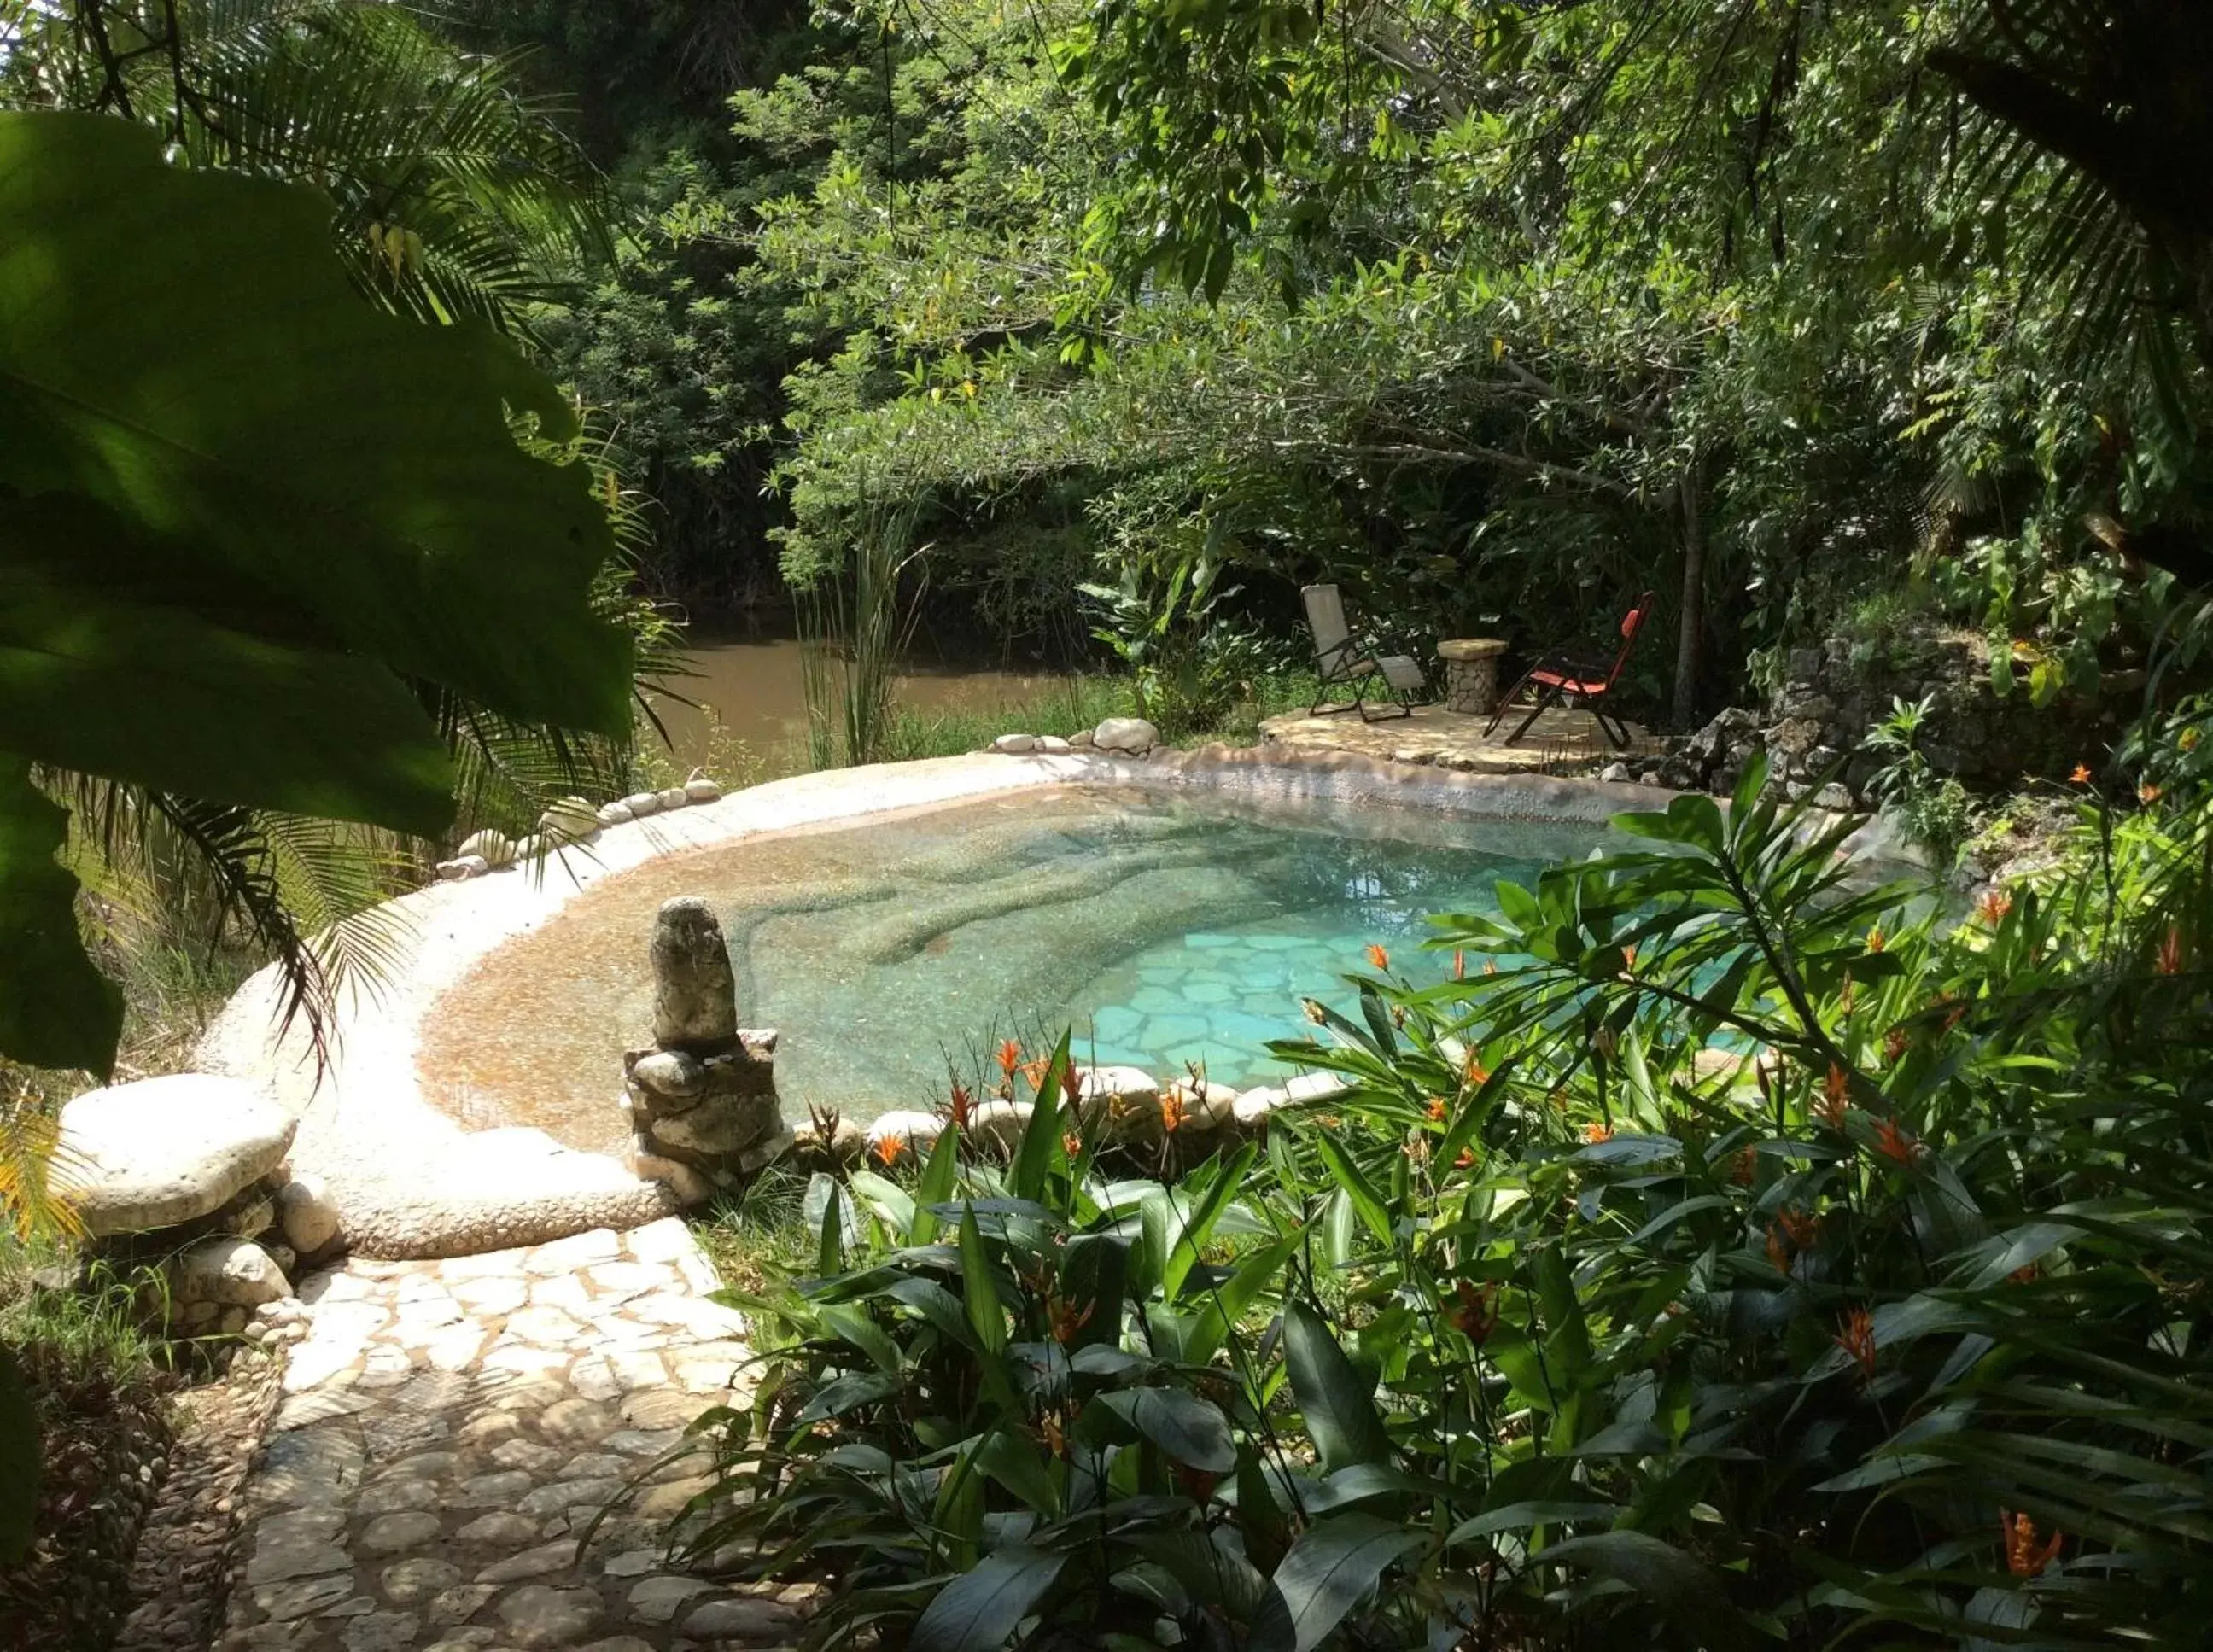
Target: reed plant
{"x": 855, "y": 623}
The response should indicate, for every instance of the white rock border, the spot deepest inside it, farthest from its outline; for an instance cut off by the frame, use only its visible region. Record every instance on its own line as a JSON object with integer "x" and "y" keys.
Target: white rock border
{"x": 410, "y": 1179}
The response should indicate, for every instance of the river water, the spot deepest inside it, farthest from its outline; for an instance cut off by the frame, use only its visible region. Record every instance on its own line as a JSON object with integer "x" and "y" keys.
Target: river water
{"x": 750, "y": 689}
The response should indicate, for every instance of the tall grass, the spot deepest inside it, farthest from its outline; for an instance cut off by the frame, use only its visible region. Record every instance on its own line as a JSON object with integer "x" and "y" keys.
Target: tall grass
{"x": 854, "y": 625}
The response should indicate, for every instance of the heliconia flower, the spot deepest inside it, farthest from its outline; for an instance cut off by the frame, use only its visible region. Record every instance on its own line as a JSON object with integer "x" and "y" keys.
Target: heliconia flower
{"x": 1056, "y": 1437}
{"x": 1778, "y": 1250}
{"x": 888, "y": 1148}
{"x": 1832, "y": 1106}
{"x": 1011, "y": 1057}
{"x": 2170, "y": 951}
{"x": 1857, "y": 1340}
{"x": 1628, "y": 958}
{"x": 1743, "y": 1166}
{"x": 1065, "y": 1320}
{"x": 1378, "y": 959}
{"x": 1597, "y": 1131}
{"x": 1895, "y": 1144}
{"x": 1993, "y": 906}
{"x": 2081, "y": 775}
{"x": 1477, "y": 1316}
{"x": 1171, "y": 1110}
{"x": 1800, "y": 1227}
{"x": 1436, "y": 1110}
{"x": 2147, "y": 793}
{"x": 959, "y": 1105}
{"x": 1460, "y": 965}
{"x": 1472, "y": 1072}
{"x": 1071, "y": 1144}
{"x": 1875, "y": 939}
{"x": 1894, "y": 1043}
{"x": 1033, "y": 1069}
{"x": 1071, "y": 1084}
{"x": 1466, "y": 1160}
{"x": 2025, "y": 1555}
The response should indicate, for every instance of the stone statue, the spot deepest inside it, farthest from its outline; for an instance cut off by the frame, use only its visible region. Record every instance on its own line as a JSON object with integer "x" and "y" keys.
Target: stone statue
{"x": 702, "y": 1098}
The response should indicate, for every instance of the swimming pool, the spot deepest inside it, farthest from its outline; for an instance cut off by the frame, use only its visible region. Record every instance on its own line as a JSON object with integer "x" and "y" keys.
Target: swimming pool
{"x": 1166, "y": 929}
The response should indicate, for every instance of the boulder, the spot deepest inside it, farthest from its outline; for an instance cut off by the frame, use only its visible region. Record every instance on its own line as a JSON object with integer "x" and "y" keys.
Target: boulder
{"x": 1014, "y": 745}
{"x": 914, "y": 1130}
{"x": 695, "y": 997}
{"x": 643, "y": 803}
{"x": 671, "y": 1073}
{"x": 1052, "y": 745}
{"x": 165, "y": 1150}
{"x": 1314, "y": 1087}
{"x": 1252, "y": 1108}
{"x": 228, "y": 1271}
{"x": 1000, "y": 1125}
{"x": 305, "y": 1215}
{"x": 700, "y": 790}
{"x": 674, "y": 797}
{"x": 614, "y": 814}
{"x": 493, "y": 848}
{"x": 1081, "y": 740}
{"x": 467, "y": 866}
{"x": 1132, "y": 734}
{"x": 721, "y": 1127}
{"x": 569, "y": 820}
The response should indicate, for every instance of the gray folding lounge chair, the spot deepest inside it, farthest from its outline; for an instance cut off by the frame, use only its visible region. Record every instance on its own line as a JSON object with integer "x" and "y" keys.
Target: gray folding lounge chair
{"x": 1346, "y": 661}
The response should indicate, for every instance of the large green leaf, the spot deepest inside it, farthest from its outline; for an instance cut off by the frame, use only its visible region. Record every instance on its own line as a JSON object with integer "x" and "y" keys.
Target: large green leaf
{"x": 980, "y": 1609}
{"x": 1682, "y": 1589}
{"x": 183, "y": 348}
{"x": 1337, "y": 1401}
{"x": 55, "y": 1009}
{"x": 1326, "y": 1575}
{"x": 106, "y": 667}
{"x": 1185, "y": 1427}
{"x": 19, "y": 1461}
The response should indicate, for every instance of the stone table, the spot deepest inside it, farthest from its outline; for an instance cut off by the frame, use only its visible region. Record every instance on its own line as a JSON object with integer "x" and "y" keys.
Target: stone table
{"x": 1470, "y": 673}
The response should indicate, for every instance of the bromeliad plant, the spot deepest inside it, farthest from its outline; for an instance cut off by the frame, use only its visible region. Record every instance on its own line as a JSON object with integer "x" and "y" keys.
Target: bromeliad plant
{"x": 1836, "y": 1264}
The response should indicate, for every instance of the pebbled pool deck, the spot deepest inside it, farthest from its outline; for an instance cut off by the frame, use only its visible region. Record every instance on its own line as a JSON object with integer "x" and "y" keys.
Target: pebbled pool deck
{"x": 411, "y": 1181}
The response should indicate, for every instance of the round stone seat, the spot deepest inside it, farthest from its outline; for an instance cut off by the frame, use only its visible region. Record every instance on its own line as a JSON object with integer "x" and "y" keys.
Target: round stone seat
{"x": 134, "y": 1157}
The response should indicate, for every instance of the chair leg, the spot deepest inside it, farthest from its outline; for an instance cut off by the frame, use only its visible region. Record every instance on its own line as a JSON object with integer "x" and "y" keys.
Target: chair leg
{"x": 1545, "y": 695}
{"x": 1505, "y": 703}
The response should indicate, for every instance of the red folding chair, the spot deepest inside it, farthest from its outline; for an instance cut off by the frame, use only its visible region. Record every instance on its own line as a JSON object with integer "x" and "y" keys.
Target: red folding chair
{"x": 1561, "y": 680}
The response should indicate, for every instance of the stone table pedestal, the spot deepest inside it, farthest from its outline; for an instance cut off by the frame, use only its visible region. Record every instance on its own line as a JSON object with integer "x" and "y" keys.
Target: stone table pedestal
{"x": 1470, "y": 673}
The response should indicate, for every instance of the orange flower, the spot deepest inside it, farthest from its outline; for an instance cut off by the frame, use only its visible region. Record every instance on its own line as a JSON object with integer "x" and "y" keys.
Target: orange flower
{"x": 1072, "y": 1085}
{"x": 1070, "y": 1142}
{"x": 1875, "y": 939}
{"x": 1801, "y": 1227}
{"x": 1857, "y": 1340}
{"x": 1477, "y": 1316}
{"x": 1472, "y": 1072}
{"x": 1460, "y": 965}
{"x": 888, "y": 1148}
{"x": 1894, "y": 1143}
{"x": 1894, "y": 1043}
{"x": 2170, "y": 951}
{"x": 1378, "y": 959}
{"x": 1628, "y": 958}
{"x": 1011, "y": 1057}
{"x": 1595, "y": 1132}
{"x": 1831, "y": 1106}
{"x": 2025, "y": 1555}
{"x": 1033, "y": 1069}
{"x": 1742, "y": 1167}
{"x": 1172, "y": 1110}
{"x": 1778, "y": 1250}
{"x": 2025, "y": 1275}
{"x": 1993, "y": 906}
{"x": 1056, "y": 1437}
{"x": 1466, "y": 1160}
{"x": 1436, "y": 1110}
{"x": 2081, "y": 775}
{"x": 960, "y": 1106}
{"x": 2147, "y": 793}
{"x": 1063, "y": 1321}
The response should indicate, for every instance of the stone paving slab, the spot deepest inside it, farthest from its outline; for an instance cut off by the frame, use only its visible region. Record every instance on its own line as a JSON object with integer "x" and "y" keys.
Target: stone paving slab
{"x": 447, "y": 1430}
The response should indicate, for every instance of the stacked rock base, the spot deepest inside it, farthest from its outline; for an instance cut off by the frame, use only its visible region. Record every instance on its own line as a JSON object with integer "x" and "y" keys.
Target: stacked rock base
{"x": 705, "y": 1123}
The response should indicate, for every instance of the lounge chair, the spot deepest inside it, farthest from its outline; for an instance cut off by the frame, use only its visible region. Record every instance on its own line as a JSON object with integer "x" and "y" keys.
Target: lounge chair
{"x": 1562, "y": 680}
{"x": 1344, "y": 661}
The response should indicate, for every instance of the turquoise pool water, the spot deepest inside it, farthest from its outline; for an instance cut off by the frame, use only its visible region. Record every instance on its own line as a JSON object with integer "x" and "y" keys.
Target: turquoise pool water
{"x": 1162, "y": 929}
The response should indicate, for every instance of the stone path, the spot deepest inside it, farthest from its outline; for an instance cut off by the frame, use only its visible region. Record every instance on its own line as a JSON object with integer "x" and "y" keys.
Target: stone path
{"x": 448, "y": 1428}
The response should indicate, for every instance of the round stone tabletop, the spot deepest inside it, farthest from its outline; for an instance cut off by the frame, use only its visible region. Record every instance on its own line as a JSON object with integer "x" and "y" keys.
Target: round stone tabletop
{"x": 1471, "y": 648}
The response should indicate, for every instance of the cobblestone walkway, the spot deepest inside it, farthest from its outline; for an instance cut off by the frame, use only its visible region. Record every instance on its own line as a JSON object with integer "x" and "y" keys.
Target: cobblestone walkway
{"x": 447, "y": 1430}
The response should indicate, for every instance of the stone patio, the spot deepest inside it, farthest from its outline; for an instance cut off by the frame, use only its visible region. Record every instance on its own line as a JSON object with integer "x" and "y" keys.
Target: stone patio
{"x": 1560, "y": 742}
{"x": 448, "y": 1431}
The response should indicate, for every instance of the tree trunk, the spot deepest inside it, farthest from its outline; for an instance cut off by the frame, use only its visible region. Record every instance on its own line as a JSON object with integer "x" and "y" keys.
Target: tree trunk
{"x": 1690, "y": 633}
